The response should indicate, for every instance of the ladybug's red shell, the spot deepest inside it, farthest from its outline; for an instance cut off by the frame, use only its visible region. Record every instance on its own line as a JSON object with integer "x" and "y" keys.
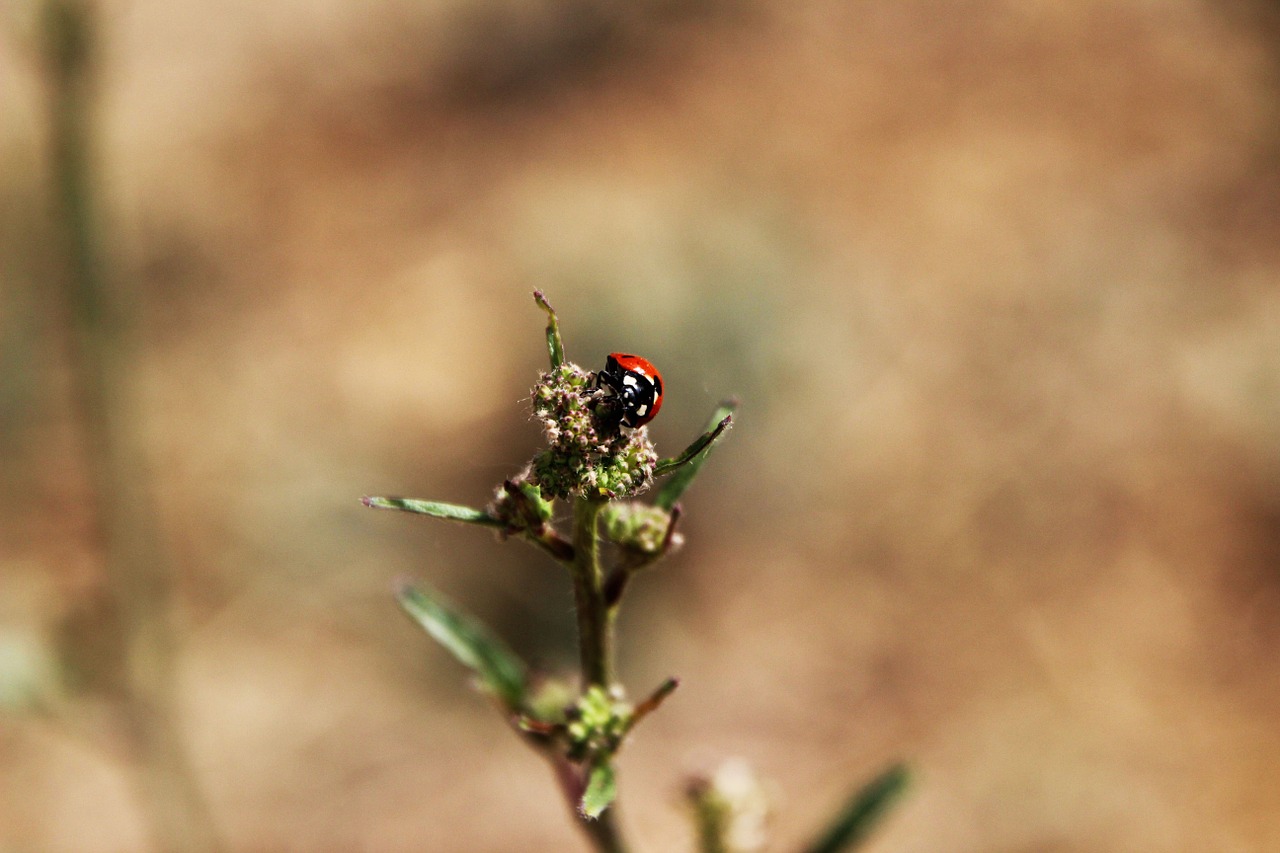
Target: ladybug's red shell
{"x": 636, "y": 383}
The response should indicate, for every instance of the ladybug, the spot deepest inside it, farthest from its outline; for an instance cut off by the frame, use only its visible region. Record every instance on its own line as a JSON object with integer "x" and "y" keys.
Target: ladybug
{"x": 636, "y": 387}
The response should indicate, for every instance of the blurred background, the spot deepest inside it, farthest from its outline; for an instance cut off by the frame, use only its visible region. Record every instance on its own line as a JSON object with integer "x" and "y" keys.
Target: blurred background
{"x": 998, "y": 285}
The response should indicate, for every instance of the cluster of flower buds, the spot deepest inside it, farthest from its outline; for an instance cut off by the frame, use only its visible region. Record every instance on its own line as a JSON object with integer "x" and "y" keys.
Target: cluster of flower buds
{"x": 643, "y": 530}
{"x": 583, "y": 457}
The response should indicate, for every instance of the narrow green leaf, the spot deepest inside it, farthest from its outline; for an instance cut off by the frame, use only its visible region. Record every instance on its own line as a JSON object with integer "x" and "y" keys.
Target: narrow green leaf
{"x": 856, "y": 819}
{"x": 555, "y": 346}
{"x": 435, "y": 509}
{"x": 686, "y": 465}
{"x": 602, "y": 789}
{"x": 498, "y": 669}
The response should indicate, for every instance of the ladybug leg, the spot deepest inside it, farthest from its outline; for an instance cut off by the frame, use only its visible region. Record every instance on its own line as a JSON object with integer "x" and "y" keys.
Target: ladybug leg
{"x": 604, "y": 405}
{"x": 610, "y": 412}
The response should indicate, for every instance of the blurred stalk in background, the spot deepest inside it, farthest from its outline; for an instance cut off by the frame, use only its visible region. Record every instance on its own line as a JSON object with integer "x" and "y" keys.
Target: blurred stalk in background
{"x": 98, "y": 315}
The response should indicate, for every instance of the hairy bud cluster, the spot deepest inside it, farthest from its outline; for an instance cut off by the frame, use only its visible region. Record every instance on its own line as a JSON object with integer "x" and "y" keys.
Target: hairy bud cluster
{"x": 597, "y": 722}
{"x": 639, "y": 527}
{"x": 583, "y": 458}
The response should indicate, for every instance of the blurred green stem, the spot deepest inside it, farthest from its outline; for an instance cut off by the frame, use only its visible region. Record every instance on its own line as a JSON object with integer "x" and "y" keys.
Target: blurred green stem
{"x": 603, "y": 832}
{"x": 137, "y": 575}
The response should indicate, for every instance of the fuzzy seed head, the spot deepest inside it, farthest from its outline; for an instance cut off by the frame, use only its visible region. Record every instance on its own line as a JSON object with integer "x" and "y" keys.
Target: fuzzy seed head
{"x": 638, "y": 527}
{"x": 583, "y": 459}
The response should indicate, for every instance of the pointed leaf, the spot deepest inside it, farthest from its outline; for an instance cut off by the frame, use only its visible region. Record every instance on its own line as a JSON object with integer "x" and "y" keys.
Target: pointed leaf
{"x": 656, "y": 698}
{"x": 602, "y": 788}
{"x": 555, "y": 346}
{"x": 856, "y": 819}
{"x": 435, "y": 509}
{"x": 686, "y": 465}
{"x": 498, "y": 669}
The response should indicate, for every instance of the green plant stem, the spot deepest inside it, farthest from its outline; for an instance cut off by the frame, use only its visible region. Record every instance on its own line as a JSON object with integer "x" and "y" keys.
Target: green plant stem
{"x": 102, "y": 369}
{"x": 603, "y": 832}
{"x": 595, "y": 622}
{"x": 595, "y": 644}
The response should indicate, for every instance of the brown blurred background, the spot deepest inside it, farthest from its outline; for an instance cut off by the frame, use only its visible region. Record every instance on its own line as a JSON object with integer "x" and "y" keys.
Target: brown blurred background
{"x": 998, "y": 284}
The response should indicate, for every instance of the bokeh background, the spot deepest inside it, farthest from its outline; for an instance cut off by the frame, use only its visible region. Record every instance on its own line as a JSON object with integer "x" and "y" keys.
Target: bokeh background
{"x": 998, "y": 284}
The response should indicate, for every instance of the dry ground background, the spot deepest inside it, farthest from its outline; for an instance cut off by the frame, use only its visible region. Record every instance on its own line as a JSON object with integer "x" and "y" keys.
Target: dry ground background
{"x": 998, "y": 283}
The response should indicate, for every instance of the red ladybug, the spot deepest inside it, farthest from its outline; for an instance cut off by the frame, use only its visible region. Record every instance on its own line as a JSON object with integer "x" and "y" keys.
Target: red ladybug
{"x": 636, "y": 385}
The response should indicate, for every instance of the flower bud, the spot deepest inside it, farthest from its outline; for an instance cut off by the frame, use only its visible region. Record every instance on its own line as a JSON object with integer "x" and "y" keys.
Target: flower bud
{"x": 638, "y": 527}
